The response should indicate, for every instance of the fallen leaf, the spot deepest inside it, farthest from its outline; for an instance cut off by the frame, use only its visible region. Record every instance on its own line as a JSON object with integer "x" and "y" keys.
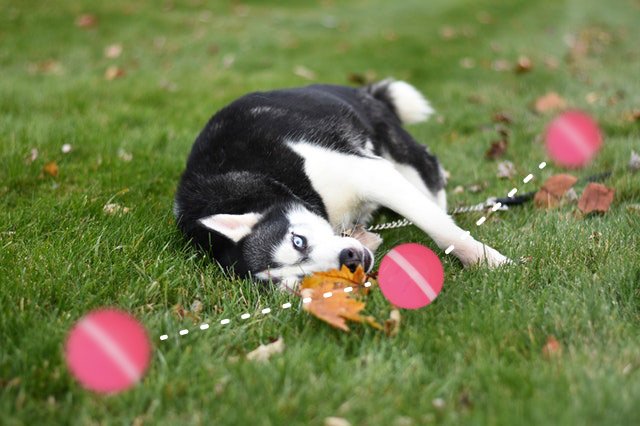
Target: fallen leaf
{"x": 553, "y": 189}
{"x": 552, "y": 348}
{"x": 477, "y": 187}
{"x": 467, "y": 63}
{"x": 523, "y": 65}
{"x": 338, "y": 278}
{"x": 263, "y": 352}
{"x": 550, "y": 102}
{"x": 634, "y": 162}
{"x": 438, "y": 403}
{"x": 47, "y": 67}
{"x": 124, "y": 155}
{"x": 51, "y": 168}
{"x": 113, "y": 72}
{"x": 591, "y": 98}
{"x": 595, "y": 198}
{"x": 361, "y": 79}
{"x": 32, "y": 156}
{"x": 458, "y": 189}
{"x": 447, "y": 32}
{"x": 329, "y": 302}
{"x": 334, "y": 309}
{"x": 506, "y": 170}
{"x": 501, "y": 65}
{"x": 633, "y": 116}
{"x": 86, "y": 20}
{"x": 392, "y": 325}
{"x": 177, "y": 310}
{"x": 304, "y": 72}
{"x": 633, "y": 208}
{"x": 497, "y": 149}
{"x": 114, "y": 208}
{"x": 228, "y": 60}
{"x": 113, "y": 51}
{"x": 336, "y": 421}
{"x": 551, "y": 63}
{"x": 196, "y": 306}
{"x": 502, "y": 117}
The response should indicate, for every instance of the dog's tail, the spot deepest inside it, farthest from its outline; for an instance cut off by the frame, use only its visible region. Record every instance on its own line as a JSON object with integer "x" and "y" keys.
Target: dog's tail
{"x": 404, "y": 100}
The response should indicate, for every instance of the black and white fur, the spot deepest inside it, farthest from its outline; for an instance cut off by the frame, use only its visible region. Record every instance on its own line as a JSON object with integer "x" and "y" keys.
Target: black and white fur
{"x": 275, "y": 176}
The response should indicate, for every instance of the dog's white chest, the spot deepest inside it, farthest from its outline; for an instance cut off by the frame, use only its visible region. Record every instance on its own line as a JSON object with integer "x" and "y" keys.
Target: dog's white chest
{"x": 335, "y": 176}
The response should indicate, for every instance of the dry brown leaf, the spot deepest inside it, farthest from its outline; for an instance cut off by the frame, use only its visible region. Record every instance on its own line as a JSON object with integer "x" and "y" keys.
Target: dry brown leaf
{"x": 32, "y": 156}
{"x": 552, "y": 348}
{"x": 550, "y": 102}
{"x": 263, "y": 352}
{"x": 113, "y": 51}
{"x": 336, "y": 421}
{"x": 497, "y": 149}
{"x": 47, "y": 67}
{"x": 304, "y": 72}
{"x": 51, "y": 168}
{"x": 596, "y": 198}
{"x": 448, "y": 32}
{"x": 467, "y": 63}
{"x": 501, "y": 65}
{"x": 86, "y": 20}
{"x": 502, "y": 117}
{"x": 506, "y": 170}
{"x": 523, "y": 65}
{"x": 633, "y": 116}
{"x": 553, "y": 189}
{"x": 113, "y": 72}
{"x": 114, "y": 208}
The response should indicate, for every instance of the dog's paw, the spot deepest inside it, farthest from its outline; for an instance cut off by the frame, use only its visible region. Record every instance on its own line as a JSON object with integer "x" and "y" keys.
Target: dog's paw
{"x": 479, "y": 253}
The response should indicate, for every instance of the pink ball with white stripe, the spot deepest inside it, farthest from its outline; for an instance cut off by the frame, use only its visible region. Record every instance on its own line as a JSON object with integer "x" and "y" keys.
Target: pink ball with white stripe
{"x": 573, "y": 139}
{"x": 108, "y": 351}
{"x": 411, "y": 276}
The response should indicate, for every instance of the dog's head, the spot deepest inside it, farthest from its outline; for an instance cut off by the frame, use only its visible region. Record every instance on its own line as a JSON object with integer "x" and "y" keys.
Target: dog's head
{"x": 288, "y": 242}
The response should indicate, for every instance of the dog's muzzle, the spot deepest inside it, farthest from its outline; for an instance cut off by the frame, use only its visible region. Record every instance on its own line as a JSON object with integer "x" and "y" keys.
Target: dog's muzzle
{"x": 352, "y": 258}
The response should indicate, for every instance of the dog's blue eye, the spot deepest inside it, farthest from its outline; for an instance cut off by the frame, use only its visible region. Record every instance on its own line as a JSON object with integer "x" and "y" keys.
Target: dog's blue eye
{"x": 299, "y": 242}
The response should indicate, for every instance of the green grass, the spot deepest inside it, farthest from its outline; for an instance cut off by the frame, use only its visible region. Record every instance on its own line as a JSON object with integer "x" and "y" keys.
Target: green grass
{"x": 478, "y": 347}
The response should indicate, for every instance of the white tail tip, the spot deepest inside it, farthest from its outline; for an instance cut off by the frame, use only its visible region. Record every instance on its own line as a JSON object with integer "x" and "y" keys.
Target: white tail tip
{"x": 409, "y": 103}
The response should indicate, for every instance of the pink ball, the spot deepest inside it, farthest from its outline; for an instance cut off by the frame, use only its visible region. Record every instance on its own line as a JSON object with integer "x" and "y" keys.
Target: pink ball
{"x": 108, "y": 351}
{"x": 573, "y": 139}
{"x": 411, "y": 276}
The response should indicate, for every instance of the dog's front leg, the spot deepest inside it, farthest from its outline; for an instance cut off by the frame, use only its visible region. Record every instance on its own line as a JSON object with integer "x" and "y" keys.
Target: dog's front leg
{"x": 380, "y": 182}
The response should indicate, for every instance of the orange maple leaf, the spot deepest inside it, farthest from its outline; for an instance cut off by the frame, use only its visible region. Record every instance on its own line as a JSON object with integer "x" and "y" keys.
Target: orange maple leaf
{"x": 330, "y": 303}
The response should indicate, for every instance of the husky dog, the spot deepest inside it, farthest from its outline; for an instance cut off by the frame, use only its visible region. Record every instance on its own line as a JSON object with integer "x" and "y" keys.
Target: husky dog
{"x": 275, "y": 176}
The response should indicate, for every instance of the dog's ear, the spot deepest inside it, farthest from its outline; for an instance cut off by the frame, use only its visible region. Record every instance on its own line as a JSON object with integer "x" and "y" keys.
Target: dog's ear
{"x": 233, "y": 226}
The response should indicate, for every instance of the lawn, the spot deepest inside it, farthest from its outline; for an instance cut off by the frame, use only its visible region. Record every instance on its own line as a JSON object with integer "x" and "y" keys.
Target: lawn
{"x": 475, "y": 356}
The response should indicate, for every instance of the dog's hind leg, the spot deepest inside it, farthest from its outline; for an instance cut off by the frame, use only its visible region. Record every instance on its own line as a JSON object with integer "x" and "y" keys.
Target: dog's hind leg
{"x": 385, "y": 185}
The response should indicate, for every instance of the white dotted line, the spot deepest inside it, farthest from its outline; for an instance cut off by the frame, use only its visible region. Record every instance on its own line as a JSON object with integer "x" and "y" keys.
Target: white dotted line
{"x": 496, "y": 207}
{"x": 265, "y": 311}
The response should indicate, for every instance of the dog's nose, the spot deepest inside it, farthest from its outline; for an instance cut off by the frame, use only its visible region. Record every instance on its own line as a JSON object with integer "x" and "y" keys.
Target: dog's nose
{"x": 351, "y": 258}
